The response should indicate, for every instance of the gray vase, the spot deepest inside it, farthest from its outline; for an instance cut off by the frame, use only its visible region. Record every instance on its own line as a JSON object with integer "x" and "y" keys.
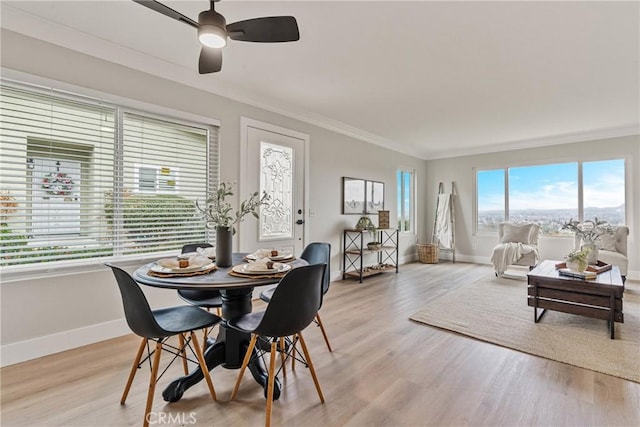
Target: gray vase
{"x": 224, "y": 239}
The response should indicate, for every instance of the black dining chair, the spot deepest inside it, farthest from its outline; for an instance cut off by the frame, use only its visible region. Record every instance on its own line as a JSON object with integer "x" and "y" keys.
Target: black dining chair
{"x": 314, "y": 253}
{"x": 293, "y": 306}
{"x": 205, "y": 299}
{"x": 160, "y": 325}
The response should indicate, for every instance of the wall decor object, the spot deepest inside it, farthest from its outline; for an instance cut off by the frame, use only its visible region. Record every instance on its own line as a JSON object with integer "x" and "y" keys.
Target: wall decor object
{"x": 353, "y": 195}
{"x": 360, "y": 196}
{"x": 383, "y": 219}
{"x": 374, "y": 197}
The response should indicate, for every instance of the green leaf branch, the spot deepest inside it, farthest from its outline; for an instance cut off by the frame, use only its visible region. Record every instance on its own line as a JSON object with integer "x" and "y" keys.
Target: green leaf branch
{"x": 588, "y": 230}
{"x": 218, "y": 212}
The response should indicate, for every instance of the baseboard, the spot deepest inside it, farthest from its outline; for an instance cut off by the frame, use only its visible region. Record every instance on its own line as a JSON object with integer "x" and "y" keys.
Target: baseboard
{"x": 22, "y": 351}
{"x": 631, "y": 274}
{"x": 407, "y": 259}
{"x": 448, "y": 256}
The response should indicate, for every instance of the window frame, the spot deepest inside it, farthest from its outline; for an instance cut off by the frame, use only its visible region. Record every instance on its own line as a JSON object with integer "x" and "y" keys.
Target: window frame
{"x": 400, "y": 174}
{"x": 579, "y": 181}
{"x": 120, "y": 106}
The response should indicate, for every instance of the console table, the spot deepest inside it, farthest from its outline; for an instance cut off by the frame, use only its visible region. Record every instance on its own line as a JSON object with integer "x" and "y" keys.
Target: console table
{"x": 354, "y": 251}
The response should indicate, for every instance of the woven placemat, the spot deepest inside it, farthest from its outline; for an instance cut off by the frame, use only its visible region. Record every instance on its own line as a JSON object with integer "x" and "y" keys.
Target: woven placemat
{"x": 193, "y": 273}
{"x": 257, "y": 276}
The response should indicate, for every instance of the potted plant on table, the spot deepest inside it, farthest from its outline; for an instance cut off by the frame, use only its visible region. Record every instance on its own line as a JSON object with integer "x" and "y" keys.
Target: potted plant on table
{"x": 218, "y": 212}
{"x": 365, "y": 223}
{"x": 577, "y": 260}
{"x": 589, "y": 231}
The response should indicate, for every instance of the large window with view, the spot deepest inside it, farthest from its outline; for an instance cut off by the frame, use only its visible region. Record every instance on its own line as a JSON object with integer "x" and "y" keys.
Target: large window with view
{"x": 604, "y": 190}
{"x": 73, "y": 187}
{"x": 550, "y": 195}
{"x": 406, "y": 200}
{"x": 490, "y": 187}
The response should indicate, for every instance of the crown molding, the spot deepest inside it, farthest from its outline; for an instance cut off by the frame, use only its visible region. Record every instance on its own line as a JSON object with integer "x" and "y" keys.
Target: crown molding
{"x": 47, "y": 31}
{"x": 568, "y": 138}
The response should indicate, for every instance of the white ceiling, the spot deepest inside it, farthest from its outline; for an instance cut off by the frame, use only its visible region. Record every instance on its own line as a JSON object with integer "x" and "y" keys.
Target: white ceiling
{"x": 431, "y": 79}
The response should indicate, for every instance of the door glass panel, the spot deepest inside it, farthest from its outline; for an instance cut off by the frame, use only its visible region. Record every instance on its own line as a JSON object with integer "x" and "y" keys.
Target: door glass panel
{"x": 276, "y": 179}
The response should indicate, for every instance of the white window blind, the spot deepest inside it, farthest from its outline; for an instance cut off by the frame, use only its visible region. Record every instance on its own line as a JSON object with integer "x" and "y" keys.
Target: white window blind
{"x": 72, "y": 171}
{"x": 166, "y": 216}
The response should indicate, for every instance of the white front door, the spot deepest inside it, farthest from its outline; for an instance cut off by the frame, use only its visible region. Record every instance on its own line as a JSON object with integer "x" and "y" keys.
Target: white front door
{"x": 274, "y": 161}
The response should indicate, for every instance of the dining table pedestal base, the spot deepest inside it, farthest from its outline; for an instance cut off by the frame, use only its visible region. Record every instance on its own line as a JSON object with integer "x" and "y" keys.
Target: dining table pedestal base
{"x": 227, "y": 350}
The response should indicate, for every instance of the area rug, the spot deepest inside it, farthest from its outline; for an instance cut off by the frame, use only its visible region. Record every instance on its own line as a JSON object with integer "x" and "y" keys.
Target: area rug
{"x": 495, "y": 310}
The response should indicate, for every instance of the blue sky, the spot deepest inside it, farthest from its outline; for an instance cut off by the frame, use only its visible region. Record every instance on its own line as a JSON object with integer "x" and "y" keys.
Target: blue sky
{"x": 553, "y": 186}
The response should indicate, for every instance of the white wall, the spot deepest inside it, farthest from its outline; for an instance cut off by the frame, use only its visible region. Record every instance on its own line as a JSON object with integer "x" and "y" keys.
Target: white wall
{"x": 460, "y": 169}
{"x": 50, "y": 312}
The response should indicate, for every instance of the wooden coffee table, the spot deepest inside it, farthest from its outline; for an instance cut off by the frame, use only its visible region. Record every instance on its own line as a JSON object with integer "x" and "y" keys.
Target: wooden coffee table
{"x": 600, "y": 298}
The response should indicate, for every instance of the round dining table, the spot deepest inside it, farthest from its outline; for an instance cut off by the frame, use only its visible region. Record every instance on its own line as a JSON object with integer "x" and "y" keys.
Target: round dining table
{"x": 229, "y": 347}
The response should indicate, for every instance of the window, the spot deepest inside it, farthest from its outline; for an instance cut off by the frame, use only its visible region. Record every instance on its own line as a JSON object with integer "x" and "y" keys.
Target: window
{"x": 546, "y": 195}
{"x": 490, "y": 188}
{"x": 406, "y": 200}
{"x": 156, "y": 179}
{"x": 603, "y": 190}
{"x": 73, "y": 187}
{"x": 552, "y": 194}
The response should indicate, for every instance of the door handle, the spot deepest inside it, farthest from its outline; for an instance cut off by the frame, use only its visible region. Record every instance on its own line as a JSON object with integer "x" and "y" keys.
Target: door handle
{"x": 300, "y": 221}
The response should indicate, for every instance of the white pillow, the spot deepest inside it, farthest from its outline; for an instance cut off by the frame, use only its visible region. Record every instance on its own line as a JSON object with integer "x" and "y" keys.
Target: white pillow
{"x": 516, "y": 233}
{"x": 607, "y": 242}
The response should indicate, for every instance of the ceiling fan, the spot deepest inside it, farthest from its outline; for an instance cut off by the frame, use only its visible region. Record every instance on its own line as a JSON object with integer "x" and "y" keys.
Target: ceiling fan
{"x": 213, "y": 31}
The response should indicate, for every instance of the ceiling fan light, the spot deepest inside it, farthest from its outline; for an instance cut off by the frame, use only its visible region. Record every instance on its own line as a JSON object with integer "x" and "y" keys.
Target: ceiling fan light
{"x": 212, "y": 30}
{"x": 212, "y": 36}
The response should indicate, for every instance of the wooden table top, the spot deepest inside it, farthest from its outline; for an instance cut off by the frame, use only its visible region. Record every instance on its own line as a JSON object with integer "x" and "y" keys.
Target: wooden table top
{"x": 547, "y": 269}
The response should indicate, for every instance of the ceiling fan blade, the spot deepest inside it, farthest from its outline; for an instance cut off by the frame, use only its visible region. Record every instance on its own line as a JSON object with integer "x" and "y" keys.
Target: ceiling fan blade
{"x": 272, "y": 29}
{"x": 167, "y": 11}
{"x": 210, "y": 60}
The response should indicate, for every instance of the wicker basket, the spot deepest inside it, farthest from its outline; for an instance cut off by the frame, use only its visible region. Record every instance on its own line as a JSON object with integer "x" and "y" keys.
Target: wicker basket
{"x": 428, "y": 253}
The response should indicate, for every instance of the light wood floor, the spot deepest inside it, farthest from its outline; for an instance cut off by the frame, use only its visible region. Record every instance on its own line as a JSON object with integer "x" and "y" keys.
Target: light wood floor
{"x": 385, "y": 371}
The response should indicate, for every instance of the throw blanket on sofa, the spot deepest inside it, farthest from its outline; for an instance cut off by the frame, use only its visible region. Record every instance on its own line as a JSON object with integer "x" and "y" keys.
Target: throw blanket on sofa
{"x": 506, "y": 254}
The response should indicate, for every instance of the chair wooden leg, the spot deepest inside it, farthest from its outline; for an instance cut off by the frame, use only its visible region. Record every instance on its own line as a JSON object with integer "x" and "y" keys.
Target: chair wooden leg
{"x": 134, "y": 369}
{"x": 271, "y": 381}
{"x": 311, "y": 368}
{"x": 245, "y": 362}
{"x": 324, "y": 333}
{"x": 183, "y": 354}
{"x": 283, "y": 357}
{"x": 203, "y": 365}
{"x": 205, "y": 337}
{"x": 152, "y": 383}
{"x": 294, "y": 342}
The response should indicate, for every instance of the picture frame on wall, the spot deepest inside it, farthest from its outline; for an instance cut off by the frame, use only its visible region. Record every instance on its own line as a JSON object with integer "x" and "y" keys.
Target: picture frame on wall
{"x": 353, "y": 196}
{"x": 374, "y": 197}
